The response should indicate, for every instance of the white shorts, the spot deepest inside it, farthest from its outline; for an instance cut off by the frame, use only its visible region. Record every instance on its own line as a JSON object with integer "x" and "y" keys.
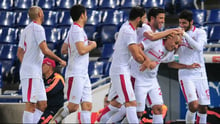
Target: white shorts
{"x": 195, "y": 89}
{"x": 150, "y": 93}
{"x": 79, "y": 89}
{"x": 121, "y": 86}
{"x": 33, "y": 90}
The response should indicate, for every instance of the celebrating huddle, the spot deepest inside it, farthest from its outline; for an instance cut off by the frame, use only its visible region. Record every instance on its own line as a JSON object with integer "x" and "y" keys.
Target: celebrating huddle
{"x": 138, "y": 51}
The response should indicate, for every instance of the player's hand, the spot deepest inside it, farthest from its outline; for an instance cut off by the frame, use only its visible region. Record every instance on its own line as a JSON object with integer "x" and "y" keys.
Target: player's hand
{"x": 153, "y": 64}
{"x": 194, "y": 65}
{"x": 62, "y": 63}
{"x": 145, "y": 65}
{"x": 93, "y": 43}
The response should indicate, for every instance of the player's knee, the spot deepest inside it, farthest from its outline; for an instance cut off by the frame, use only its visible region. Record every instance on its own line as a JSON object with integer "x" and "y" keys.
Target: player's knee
{"x": 73, "y": 107}
{"x": 139, "y": 114}
{"x": 193, "y": 106}
{"x": 87, "y": 106}
{"x": 42, "y": 106}
{"x": 157, "y": 109}
{"x": 202, "y": 109}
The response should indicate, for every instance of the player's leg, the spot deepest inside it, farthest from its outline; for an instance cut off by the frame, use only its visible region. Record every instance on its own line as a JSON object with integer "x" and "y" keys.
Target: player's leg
{"x": 189, "y": 91}
{"x": 86, "y": 104}
{"x": 204, "y": 100}
{"x": 155, "y": 99}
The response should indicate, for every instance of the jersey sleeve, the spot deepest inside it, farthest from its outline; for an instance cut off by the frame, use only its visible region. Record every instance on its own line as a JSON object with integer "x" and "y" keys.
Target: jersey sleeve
{"x": 77, "y": 36}
{"x": 67, "y": 38}
{"x": 21, "y": 41}
{"x": 39, "y": 34}
{"x": 169, "y": 58}
{"x": 199, "y": 41}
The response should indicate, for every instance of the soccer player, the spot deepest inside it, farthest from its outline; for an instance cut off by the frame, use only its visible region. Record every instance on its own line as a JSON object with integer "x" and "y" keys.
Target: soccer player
{"x": 125, "y": 47}
{"x": 151, "y": 29}
{"x": 79, "y": 87}
{"x": 54, "y": 84}
{"x": 193, "y": 82}
{"x": 31, "y": 50}
{"x": 146, "y": 83}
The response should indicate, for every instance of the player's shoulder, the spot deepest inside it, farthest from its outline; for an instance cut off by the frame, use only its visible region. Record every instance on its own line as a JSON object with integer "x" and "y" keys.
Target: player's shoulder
{"x": 128, "y": 28}
{"x": 200, "y": 30}
{"x": 75, "y": 28}
{"x": 37, "y": 27}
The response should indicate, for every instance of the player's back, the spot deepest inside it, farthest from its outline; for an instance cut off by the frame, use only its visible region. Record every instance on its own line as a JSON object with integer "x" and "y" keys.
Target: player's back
{"x": 127, "y": 35}
{"x": 30, "y": 39}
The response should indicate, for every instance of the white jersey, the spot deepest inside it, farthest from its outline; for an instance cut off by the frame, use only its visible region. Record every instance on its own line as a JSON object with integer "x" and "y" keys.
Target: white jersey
{"x": 140, "y": 31}
{"x": 31, "y": 37}
{"x": 155, "y": 51}
{"x": 127, "y": 35}
{"x": 77, "y": 64}
{"x": 191, "y": 51}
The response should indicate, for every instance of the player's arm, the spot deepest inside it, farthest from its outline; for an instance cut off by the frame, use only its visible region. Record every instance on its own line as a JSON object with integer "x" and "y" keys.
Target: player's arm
{"x": 158, "y": 35}
{"x": 20, "y": 54}
{"x": 83, "y": 49}
{"x": 64, "y": 48}
{"x": 47, "y": 52}
{"x": 197, "y": 44}
{"x": 136, "y": 53}
{"x": 177, "y": 65}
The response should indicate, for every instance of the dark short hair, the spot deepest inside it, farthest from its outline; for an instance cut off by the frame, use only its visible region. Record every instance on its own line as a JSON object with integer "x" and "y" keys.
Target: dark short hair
{"x": 154, "y": 11}
{"x": 187, "y": 15}
{"x": 136, "y": 12}
{"x": 76, "y": 11}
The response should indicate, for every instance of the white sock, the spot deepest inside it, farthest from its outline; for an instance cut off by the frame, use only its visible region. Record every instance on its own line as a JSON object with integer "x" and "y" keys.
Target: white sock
{"x": 112, "y": 110}
{"x": 118, "y": 115}
{"x": 190, "y": 117}
{"x": 61, "y": 114}
{"x": 85, "y": 117}
{"x": 131, "y": 114}
{"x": 157, "y": 119}
{"x": 201, "y": 118}
{"x": 37, "y": 115}
{"x": 28, "y": 117}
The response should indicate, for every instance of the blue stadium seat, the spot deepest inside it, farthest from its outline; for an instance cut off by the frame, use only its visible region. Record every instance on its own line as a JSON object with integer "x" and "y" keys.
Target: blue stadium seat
{"x": 214, "y": 36}
{"x": 213, "y": 17}
{"x": 130, "y": 3}
{"x": 169, "y": 6}
{"x": 8, "y": 35}
{"x": 184, "y": 4}
{"x": 8, "y": 51}
{"x": 109, "y": 4}
{"x": 112, "y": 17}
{"x": 50, "y": 18}
{"x": 6, "y": 67}
{"x": 23, "y": 4}
{"x": 107, "y": 51}
{"x": 46, "y": 4}
{"x": 94, "y": 17}
{"x": 64, "y": 32}
{"x": 65, "y": 4}
{"x": 53, "y": 34}
{"x": 90, "y": 31}
{"x": 108, "y": 33}
{"x": 107, "y": 68}
{"x": 64, "y": 18}
{"x": 89, "y": 4}
{"x": 126, "y": 12}
{"x": 7, "y": 18}
{"x": 96, "y": 69}
{"x": 199, "y": 17}
{"x": 153, "y": 3}
{"x": 6, "y": 4}
{"x": 22, "y": 19}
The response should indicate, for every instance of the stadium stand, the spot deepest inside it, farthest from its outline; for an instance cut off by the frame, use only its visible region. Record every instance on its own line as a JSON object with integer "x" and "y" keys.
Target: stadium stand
{"x": 8, "y": 35}
{"x": 6, "y": 4}
{"x": 7, "y": 18}
{"x": 64, "y": 4}
{"x": 153, "y": 3}
{"x": 109, "y": 4}
{"x": 23, "y": 4}
{"x": 50, "y": 18}
{"x": 46, "y": 4}
{"x": 199, "y": 17}
{"x": 89, "y": 4}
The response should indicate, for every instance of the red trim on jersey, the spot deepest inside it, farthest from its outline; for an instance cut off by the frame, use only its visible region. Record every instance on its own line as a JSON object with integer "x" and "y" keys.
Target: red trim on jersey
{"x": 213, "y": 113}
{"x": 123, "y": 86}
{"x": 163, "y": 42}
{"x": 29, "y": 90}
{"x": 77, "y": 24}
{"x": 132, "y": 26}
{"x": 34, "y": 21}
{"x": 183, "y": 89}
{"x": 105, "y": 110}
{"x": 194, "y": 28}
{"x": 148, "y": 99}
{"x": 25, "y": 46}
{"x": 69, "y": 44}
{"x": 70, "y": 82}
